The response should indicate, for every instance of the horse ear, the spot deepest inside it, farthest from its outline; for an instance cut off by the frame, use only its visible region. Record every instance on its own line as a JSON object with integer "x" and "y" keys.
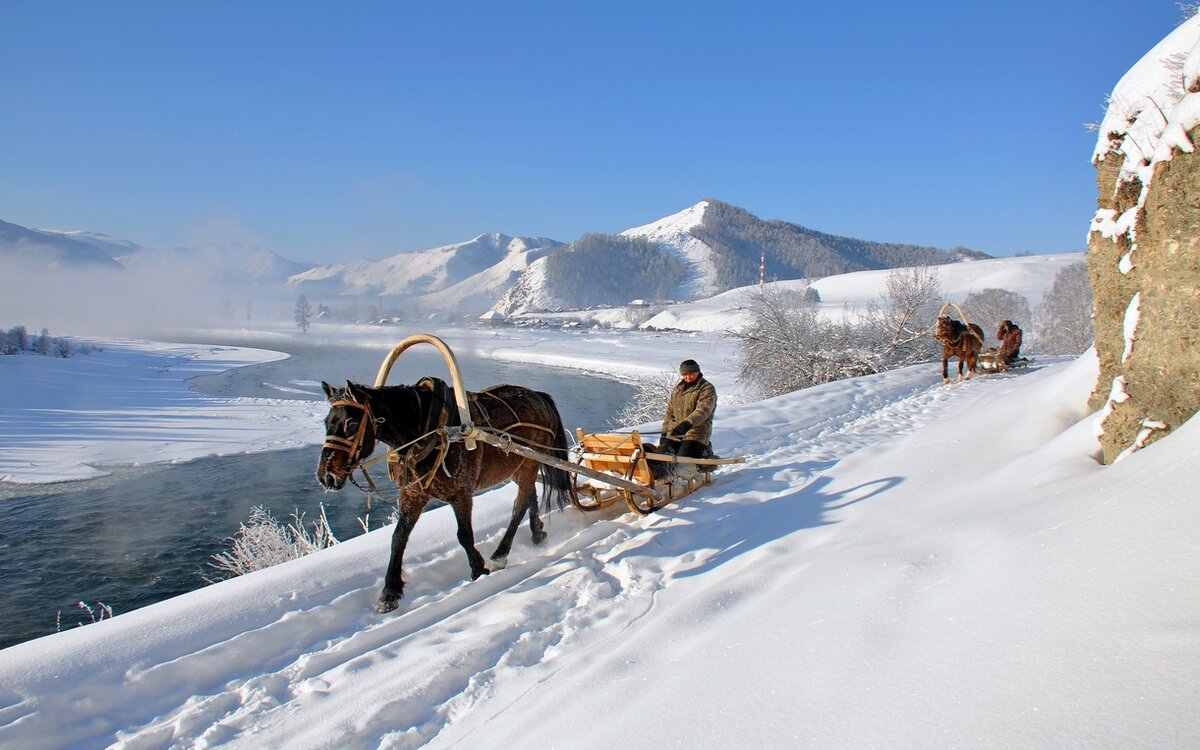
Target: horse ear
{"x": 330, "y": 391}
{"x": 356, "y": 390}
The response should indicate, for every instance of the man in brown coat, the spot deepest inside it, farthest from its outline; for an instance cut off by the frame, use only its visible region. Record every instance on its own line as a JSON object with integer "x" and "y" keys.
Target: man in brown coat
{"x": 1009, "y": 334}
{"x": 687, "y": 425}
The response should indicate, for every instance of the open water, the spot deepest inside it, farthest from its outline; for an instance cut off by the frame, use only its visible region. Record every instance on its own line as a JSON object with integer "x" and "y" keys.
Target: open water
{"x": 145, "y": 534}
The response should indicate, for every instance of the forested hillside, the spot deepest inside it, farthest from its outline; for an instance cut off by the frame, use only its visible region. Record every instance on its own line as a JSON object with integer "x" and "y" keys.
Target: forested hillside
{"x": 604, "y": 269}
{"x": 738, "y": 239}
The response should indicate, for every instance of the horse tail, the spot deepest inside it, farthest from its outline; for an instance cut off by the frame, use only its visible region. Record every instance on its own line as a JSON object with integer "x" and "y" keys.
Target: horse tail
{"x": 558, "y": 488}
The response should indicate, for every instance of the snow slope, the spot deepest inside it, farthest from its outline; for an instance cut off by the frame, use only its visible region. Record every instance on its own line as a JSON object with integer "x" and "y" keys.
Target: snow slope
{"x": 899, "y": 564}
{"x": 1030, "y": 276}
{"x": 674, "y": 232}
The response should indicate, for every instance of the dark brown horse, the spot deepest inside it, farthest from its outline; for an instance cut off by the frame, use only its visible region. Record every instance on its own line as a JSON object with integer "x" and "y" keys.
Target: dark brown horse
{"x": 958, "y": 340}
{"x": 411, "y": 419}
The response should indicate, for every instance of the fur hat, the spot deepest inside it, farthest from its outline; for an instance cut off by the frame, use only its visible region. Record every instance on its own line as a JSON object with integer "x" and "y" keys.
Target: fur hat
{"x": 688, "y": 365}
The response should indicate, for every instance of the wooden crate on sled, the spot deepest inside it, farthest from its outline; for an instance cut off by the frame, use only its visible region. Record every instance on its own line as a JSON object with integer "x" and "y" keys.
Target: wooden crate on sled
{"x": 623, "y": 455}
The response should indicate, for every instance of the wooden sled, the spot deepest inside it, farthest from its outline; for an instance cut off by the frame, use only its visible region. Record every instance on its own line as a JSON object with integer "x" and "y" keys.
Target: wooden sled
{"x": 987, "y": 361}
{"x": 624, "y": 457}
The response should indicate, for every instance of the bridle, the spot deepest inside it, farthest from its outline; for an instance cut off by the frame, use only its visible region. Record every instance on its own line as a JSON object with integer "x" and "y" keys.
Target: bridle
{"x": 352, "y": 447}
{"x": 955, "y": 342}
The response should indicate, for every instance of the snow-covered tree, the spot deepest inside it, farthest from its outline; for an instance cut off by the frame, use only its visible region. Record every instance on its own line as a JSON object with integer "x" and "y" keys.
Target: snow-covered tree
{"x": 1064, "y": 318}
{"x": 789, "y": 345}
{"x": 898, "y": 325}
{"x": 988, "y": 307}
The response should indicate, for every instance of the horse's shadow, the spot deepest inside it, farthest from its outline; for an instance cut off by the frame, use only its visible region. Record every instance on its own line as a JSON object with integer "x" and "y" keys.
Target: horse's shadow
{"x": 739, "y": 526}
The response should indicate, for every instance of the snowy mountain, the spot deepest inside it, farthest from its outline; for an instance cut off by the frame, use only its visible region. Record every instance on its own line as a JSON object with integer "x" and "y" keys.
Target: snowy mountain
{"x": 467, "y": 277}
{"x": 720, "y": 247}
{"x": 48, "y": 250}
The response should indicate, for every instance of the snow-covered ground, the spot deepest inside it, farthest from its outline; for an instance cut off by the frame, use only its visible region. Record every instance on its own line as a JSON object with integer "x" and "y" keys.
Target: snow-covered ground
{"x": 129, "y": 403}
{"x": 900, "y": 563}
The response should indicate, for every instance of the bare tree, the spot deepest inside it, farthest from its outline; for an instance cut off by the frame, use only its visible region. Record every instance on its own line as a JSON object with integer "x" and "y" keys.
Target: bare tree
{"x": 1064, "y": 320}
{"x": 988, "y": 307}
{"x": 303, "y": 314}
{"x": 898, "y": 326}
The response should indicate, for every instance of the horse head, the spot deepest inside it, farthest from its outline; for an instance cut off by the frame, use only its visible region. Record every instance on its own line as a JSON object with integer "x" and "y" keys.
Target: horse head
{"x": 947, "y": 329}
{"x": 350, "y": 433}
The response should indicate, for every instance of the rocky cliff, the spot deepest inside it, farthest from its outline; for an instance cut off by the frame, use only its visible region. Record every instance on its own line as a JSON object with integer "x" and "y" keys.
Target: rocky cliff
{"x": 1144, "y": 248}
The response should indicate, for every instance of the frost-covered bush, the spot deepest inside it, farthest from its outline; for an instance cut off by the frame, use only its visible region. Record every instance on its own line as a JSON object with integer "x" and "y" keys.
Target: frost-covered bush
{"x": 649, "y": 401}
{"x": 262, "y": 541}
{"x": 789, "y": 345}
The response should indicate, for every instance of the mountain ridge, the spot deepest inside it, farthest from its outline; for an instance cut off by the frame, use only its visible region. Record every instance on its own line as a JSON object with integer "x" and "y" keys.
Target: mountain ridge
{"x": 702, "y": 250}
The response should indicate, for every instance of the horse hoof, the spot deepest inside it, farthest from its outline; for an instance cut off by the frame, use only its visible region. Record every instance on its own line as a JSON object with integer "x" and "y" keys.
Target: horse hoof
{"x": 481, "y": 572}
{"x": 539, "y": 537}
{"x": 499, "y": 563}
{"x": 387, "y": 604}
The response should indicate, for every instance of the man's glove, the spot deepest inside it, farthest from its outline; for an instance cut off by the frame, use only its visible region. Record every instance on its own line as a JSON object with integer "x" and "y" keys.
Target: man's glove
{"x": 681, "y": 428}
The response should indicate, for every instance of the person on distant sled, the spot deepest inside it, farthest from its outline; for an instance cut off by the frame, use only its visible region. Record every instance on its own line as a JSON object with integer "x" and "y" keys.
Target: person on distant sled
{"x": 688, "y": 422}
{"x": 1009, "y": 334}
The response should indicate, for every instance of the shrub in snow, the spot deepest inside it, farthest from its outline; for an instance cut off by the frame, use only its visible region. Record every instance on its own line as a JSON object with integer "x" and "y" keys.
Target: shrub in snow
{"x": 95, "y": 614}
{"x": 263, "y": 541}
{"x": 649, "y": 401}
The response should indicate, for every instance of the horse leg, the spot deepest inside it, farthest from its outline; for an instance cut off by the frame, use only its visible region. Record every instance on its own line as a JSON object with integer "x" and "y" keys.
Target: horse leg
{"x": 393, "y": 583}
{"x": 466, "y": 534}
{"x": 945, "y": 367}
{"x": 524, "y": 502}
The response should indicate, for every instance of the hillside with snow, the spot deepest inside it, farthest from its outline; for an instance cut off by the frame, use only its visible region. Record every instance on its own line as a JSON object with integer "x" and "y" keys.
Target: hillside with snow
{"x": 721, "y": 247}
{"x": 705, "y": 249}
{"x": 466, "y": 277}
{"x": 30, "y": 250}
{"x": 847, "y": 294}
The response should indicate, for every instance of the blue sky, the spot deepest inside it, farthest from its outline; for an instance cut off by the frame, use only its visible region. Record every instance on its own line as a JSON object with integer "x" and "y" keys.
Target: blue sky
{"x": 333, "y": 131}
